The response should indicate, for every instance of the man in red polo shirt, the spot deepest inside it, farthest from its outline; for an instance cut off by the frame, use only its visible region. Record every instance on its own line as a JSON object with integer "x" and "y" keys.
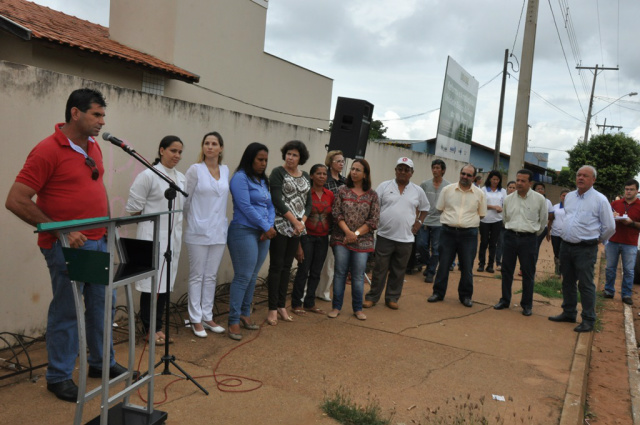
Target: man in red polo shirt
{"x": 624, "y": 243}
{"x": 65, "y": 171}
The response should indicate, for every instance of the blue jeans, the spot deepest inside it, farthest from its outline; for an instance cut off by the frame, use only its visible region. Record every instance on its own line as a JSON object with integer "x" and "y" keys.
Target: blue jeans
{"x": 429, "y": 235}
{"x": 356, "y": 262}
{"x": 614, "y": 250}
{"x": 247, "y": 255}
{"x": 464, "y": 243}
{"x": 62, "y": 323}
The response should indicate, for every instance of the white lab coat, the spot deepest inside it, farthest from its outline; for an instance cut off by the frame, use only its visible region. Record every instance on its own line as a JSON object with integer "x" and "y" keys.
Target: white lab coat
{"x": 147, "y": 196}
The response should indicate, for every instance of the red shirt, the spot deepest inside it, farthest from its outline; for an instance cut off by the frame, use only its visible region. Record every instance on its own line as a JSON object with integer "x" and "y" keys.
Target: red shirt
{"x": 63, "y": 184}
{"x": 625, "y": 234}
{"x": 319, "y": 221}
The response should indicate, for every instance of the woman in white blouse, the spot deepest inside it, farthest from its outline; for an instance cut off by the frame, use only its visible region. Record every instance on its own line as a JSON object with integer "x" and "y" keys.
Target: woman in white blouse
{"x": 206, "y": 234}
{"x": 491, "y": 224}
{"x": 146, "y": 196}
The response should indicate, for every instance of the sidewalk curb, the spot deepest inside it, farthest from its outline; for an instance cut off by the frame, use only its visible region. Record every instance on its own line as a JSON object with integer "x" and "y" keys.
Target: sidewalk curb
{"x": 574, "y": 399}
{"x": 632, "y": 363}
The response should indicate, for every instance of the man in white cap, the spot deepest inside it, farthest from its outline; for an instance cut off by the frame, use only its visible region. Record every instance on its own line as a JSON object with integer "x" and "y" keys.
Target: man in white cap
{"x": 403, "y": 207}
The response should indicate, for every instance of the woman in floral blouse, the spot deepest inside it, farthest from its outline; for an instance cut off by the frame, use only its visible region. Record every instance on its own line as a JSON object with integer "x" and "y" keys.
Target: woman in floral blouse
{"x": 356, "y": 211}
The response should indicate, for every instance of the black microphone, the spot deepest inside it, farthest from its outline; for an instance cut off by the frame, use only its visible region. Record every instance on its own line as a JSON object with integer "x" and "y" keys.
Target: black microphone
{"x": 119, "y": 143}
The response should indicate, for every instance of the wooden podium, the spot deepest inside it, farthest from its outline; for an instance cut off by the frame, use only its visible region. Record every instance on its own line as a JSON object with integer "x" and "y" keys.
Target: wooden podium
{"x": 127, "y": 261}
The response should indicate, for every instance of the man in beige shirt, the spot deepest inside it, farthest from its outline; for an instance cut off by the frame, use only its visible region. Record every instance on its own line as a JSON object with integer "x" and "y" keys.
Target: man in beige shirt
{"x": 525, "y": 217}
{"x": 462, "y": 205}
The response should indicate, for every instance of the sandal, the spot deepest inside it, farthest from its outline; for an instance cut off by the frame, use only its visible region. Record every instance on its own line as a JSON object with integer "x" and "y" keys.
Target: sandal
{"x": 286, "y": 318}
{"x": 315, "y": 310}
{"x": 299, "y": 311}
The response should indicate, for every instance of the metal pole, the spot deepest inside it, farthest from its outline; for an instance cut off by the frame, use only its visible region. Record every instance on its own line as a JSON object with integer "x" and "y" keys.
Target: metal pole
{"x": 496, "y": 152}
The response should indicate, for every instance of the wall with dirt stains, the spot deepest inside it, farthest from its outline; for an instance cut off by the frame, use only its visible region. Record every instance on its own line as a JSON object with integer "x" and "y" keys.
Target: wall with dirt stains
{"x": 32, "y": 100}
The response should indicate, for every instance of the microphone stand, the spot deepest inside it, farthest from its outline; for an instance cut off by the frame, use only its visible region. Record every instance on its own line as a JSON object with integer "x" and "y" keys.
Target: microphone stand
{"x": 170, "y": 194}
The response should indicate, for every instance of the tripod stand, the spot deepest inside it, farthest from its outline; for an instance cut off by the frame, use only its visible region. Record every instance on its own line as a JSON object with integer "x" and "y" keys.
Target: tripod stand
{"x": 170, "y": 194}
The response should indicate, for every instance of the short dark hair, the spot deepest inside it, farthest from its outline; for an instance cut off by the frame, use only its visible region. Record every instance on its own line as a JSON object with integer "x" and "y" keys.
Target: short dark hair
{"x": 217, "y": 136}
{"x": 536, "y": 184}
{"x": 475, "y": 170}
{"x": 526, "y": 172}
{"x": 297, "y": 145}
{"x": 439, "y": 162}
{"x": 315, "y": 168}
{"x": 246, "y": 162}
{"x": 83, "y": 99}
{"x": 366, "y": 183}
{"x": 165, "y": 143}
{"x": 492, "y": 173}
{"x": 630, "y": 182}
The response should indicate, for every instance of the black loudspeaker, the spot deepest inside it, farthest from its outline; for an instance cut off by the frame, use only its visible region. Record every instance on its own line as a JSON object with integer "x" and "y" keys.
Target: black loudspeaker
{"x": 350, "y": 130}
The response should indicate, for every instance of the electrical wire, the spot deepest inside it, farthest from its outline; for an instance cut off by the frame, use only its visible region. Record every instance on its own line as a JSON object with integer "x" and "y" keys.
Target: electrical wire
{"x": 566, "y": 60}
{"x": 554, "y": 106}
{"x": 258, "y": 106}
{"x": 518, "y": 28}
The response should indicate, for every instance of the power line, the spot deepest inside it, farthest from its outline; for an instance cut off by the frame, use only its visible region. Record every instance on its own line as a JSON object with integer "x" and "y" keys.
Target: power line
{"x": 258, "y": 106}
{"x": 518, "y": 29}
{"x": 565, "y": 57}
{"x": 554, "y": 106}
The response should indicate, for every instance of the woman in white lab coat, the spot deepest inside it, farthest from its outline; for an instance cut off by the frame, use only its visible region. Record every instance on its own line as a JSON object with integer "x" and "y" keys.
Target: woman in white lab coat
{"x": 147, "y": 196}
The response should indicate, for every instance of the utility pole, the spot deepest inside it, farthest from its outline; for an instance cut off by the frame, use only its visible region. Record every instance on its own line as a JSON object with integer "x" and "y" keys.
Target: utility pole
{"x": 520, "y": 122}
{"x": 605, "y": 126}
{"x": 593, "y": 88}
{"x": 496, "y": 151}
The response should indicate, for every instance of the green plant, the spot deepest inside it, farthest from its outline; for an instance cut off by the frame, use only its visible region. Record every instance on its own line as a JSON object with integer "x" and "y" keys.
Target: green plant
{"x": 463, "y": 411}
{"x": 550, "y": 287}
{"x": 343, "y": 409}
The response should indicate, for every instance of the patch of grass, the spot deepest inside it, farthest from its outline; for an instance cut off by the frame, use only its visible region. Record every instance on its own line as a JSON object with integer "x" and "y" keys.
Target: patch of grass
{"x": 343, "y": 409}
{"x": 550, "y": 287}
{"x": 463, "y": 411}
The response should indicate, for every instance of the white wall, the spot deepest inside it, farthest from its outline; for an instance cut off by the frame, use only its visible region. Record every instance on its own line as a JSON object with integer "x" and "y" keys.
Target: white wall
{"x": 32, "y": 100}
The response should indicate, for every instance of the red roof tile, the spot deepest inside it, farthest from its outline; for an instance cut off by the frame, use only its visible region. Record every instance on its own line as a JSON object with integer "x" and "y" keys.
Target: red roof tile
{"x": 57, "y": 27}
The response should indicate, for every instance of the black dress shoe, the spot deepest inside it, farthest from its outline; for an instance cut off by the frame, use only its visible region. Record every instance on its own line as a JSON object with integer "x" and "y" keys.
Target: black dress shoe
{"x": 526, "y": 311}
{"x": 429, "y": 278}
{"x": 467, "y": 302}
{"x": 490, "y": 269}
{"x": 435, "y": 298}
{"x": 562, "y": 318}
{"x": 65, "y": 390}
{"x": 502, "y": 304}
{"x": 480, "y": 268}
{"x": 584, "y": 327}
{"x": 114, "y": 371}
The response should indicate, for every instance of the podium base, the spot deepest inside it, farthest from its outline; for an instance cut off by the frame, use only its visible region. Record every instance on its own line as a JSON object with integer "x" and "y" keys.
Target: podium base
{"x": 122, "y": 415}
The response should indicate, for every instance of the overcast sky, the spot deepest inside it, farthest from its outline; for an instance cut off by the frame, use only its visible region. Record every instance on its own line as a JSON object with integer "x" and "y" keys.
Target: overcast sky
{"x": 393, "y": 53}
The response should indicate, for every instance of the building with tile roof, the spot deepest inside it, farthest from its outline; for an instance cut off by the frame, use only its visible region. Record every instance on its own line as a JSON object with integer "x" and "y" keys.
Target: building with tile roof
{"x": 208, "y": 52}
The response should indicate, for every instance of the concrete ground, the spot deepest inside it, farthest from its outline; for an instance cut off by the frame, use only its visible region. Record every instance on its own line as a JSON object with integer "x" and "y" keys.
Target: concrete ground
{"x": 419, "y": 361}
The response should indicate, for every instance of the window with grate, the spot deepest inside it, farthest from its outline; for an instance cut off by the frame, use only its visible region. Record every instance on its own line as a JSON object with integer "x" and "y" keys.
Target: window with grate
{"x": 152, "y": 83}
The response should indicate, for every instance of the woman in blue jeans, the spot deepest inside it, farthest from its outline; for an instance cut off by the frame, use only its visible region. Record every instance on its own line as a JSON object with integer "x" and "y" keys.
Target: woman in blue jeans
{"x": 249, "y": 233}
{"x": 356, "y": 211}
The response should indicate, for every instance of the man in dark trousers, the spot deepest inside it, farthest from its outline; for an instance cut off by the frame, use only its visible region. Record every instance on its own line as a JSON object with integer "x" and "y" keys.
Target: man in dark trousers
{"x": 525, "y": 217}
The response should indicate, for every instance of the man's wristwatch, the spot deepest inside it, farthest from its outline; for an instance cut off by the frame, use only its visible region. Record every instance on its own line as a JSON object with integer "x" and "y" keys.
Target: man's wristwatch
{"x": 357, "y": 233}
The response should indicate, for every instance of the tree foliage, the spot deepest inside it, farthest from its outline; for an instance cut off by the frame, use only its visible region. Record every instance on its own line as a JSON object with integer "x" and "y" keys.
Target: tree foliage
{"x": 616, "y": 157}
{"x": 566, "y": 178}
{"x": 377, "y": 130}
